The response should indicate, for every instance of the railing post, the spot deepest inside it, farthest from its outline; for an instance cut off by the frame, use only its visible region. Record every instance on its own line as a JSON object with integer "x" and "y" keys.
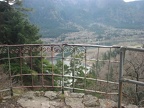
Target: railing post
{"x": 52, "y": 56}
{"x": 62, "y": 69}
{"x": 42, "y": 68}
{"x": 122, "y": 56}
{"x": 85, "y": 69}
{"x": 74, "y": 69}
{"x": 11, "y": 89}
{"x": 96, "y": 68}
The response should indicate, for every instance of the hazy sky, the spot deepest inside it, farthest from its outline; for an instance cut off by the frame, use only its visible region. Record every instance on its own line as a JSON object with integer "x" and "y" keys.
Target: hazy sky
{"x": 130, "y": 0}
{"x": 123, "y": 0}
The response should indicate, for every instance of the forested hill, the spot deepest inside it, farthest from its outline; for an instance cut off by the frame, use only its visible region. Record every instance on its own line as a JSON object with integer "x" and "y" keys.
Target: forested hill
{"x": 55, "y": 17}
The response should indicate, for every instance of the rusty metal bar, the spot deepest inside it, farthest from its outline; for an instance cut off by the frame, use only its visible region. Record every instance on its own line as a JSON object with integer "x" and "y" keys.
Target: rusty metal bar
{"x": 10, "y": 74}
{"x": 85, "y": 56}
{"x": 74, "y": 67}
{"x": 45, "y": 86}
{"x": 122, "y": 56}
{"x": 87, "y": 90}
{"x": 31, "y": 65}
{"x": 89, "y": 45}
{"x": 39, "y": 74}
{"x": 52, "y": 55}
{"x": 134, "y": 49}
{"x": 62, "y": 69}
{"x": 21, "y": 65}
{"x": 31, "y": 57}
{"x": 109, "y": 66}
{"x": 132, "y": 81}
{"x": 96, "y": 73}
{"x": 81, "y": 45}
{"x": 42, "y": 72}
{"x": 93, "y": 79}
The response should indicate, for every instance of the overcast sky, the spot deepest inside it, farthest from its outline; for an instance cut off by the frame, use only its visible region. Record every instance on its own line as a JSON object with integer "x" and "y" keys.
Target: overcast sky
{"x": 130, "y": 0}
{"x": 123, "y": 0}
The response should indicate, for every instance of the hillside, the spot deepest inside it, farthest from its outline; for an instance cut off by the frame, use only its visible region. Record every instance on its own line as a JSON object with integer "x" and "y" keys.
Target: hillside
{"x": 58, "y": 17}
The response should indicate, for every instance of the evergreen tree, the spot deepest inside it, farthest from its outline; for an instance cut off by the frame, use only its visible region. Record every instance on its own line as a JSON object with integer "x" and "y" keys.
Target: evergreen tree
{"x": 15, "y": 27}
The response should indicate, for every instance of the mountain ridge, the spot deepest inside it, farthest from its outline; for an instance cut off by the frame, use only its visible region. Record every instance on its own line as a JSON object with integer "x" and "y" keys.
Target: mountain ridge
{"x": 53, "y": 16}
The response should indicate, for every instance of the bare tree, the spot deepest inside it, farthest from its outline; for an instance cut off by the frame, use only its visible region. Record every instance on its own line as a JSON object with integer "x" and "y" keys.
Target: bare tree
{"x": 134, "y": 69}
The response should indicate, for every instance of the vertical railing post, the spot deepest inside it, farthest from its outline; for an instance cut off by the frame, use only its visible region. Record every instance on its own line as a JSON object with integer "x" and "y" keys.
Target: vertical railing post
{"x": 96, "y": 69}
{"x": 85, "y": 70}
{"x": 11, "y": 88}
{"x": 52, "y": 59}
{"x": 74, "y": 68}
{"x": 21, "y": 55}
{"x": 62, "y": 69}
{"x": 108, "y": 74}
{"x": 122, "y": 56}
{"x": 42, "y": 68}
{"x": 31, "y": 65}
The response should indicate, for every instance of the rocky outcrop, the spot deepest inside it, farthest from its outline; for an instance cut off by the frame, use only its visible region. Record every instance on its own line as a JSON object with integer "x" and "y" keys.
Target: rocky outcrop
{"x": 51, "y": 95}
{"x": 90, "y": 101}
{"x": 50, "y": 99}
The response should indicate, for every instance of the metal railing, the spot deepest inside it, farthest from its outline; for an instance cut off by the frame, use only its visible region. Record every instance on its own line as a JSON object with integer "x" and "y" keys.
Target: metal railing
{"x": 75, "y": 67}
{"x": 122, "y": 78}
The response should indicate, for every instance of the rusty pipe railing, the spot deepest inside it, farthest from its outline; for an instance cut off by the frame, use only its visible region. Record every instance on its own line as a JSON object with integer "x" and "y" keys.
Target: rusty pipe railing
{"x": 121, "y": 72}
{"x": 90, "y": 57}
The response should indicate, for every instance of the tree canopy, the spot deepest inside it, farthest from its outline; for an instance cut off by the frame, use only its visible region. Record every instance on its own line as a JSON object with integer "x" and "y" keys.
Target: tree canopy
{"x": 15, "y": 27}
